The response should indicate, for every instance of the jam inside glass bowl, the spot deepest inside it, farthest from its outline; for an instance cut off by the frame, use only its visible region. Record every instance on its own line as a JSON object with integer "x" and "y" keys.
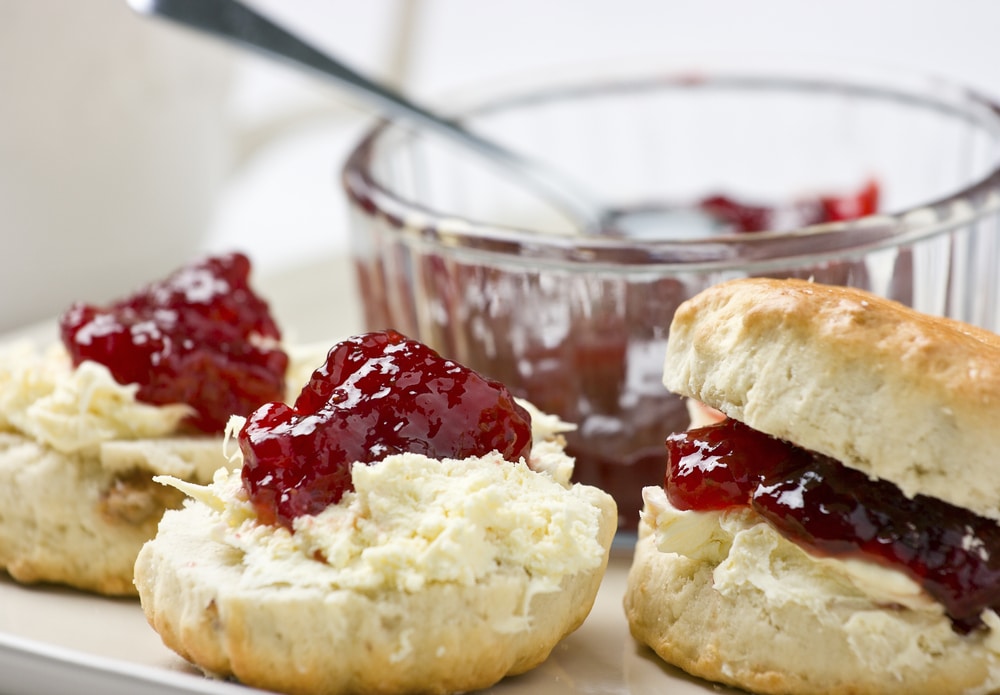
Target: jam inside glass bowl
{"x": 857, "y": 176}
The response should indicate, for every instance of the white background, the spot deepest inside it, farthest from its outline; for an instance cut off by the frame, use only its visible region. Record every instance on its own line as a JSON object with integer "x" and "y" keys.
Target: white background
{"x": 283, "y": 206}
{"x": 435, "y": 47}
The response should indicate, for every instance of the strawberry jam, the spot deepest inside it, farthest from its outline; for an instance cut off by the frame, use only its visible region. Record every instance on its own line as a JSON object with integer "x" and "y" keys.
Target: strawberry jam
{"x": 740, "y": 216}
{"x": 378, "y": 394}
{"x": 832, "y": 510}
{"x": 200, "y": 337}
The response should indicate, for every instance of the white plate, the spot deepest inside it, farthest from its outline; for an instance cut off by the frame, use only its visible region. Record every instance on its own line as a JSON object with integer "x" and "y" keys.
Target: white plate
{"x": 58, "y": 641}
{"x": 55, "y": 640}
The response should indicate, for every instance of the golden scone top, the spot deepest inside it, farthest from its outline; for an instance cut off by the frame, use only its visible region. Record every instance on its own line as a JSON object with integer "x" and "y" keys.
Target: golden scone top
{"x": 856, "y": 323}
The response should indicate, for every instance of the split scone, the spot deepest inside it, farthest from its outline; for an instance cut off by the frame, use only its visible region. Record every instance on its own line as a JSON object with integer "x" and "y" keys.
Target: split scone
{"x": 85, "y": 424}
{"x": 836, "y": 531}
{"x": 406, "y": 526}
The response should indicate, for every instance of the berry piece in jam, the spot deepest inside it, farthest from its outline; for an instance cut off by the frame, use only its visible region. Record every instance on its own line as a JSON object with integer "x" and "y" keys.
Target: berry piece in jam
{"x": 707, "y": 471}
{"x": 737, "y": 215}
{"x": 850, "y": 207}
{"x": 833, "y": 510}
{"x": 199, "y": 337}
{"x": 378, "y": 394}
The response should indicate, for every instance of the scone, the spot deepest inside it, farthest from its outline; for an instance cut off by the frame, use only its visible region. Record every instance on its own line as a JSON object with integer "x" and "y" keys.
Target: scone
{"x": 837, "y": 531}
{"x": 405, "y": 527}
{"x": 82, "y": 438}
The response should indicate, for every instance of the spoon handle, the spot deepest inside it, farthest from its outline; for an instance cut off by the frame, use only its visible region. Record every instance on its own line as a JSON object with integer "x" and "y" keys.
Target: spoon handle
{"x": 232, "y": 20}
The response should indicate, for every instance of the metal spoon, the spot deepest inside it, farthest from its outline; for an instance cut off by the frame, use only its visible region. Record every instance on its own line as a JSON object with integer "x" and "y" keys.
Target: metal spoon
{"x": 234, "y": 21}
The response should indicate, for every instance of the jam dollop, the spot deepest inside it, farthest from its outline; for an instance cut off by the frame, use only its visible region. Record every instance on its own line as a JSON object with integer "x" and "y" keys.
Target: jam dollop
{"x": 832, "y": 510}
{"x": 201, "y": 337}
{"x": 377, "y": 394}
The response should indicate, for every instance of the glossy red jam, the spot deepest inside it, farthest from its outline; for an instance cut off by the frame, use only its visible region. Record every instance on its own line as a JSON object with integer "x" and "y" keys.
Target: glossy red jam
{"x": 378, "y": 394}
{"x": 833, "y": 510}
{"x": 741, "y": 216}
{"x": 200, "y": 337}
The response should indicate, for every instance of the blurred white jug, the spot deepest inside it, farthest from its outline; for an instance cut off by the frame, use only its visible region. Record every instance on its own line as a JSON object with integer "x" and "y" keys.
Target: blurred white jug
{"x": 114, "y": 143}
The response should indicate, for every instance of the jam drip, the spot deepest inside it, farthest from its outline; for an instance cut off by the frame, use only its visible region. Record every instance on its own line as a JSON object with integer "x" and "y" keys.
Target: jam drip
{"x": 833, "y": 510}
{"x": 378, "y": 394}
{"x": 199, "y": 337}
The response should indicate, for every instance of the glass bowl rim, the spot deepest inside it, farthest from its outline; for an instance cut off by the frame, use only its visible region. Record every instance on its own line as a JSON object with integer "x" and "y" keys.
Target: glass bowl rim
{"x": 430, "y": 229}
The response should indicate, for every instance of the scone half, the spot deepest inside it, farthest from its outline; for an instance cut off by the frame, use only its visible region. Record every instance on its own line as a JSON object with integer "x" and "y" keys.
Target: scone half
{"x": 431, "y": 576}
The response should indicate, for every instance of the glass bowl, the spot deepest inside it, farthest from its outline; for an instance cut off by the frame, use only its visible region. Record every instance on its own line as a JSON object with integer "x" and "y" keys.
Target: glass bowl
{"x": 491, "y": 274}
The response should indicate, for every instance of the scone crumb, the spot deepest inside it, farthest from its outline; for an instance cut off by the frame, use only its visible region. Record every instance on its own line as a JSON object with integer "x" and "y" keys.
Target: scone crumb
{"x": 405, "y": 647}
{"x": 134, "y": 498}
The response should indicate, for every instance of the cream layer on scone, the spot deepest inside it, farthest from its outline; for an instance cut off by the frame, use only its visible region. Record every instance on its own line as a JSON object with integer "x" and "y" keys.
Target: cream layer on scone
{"x": 74, "y": 410}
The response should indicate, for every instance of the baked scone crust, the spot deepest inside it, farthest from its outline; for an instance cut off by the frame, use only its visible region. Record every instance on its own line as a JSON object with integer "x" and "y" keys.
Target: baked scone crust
{"x": 80, "y": 520}
{"x": 900, "y": 395}
{"x": 776, "y": 647}
{"x": 439, "y": 639}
